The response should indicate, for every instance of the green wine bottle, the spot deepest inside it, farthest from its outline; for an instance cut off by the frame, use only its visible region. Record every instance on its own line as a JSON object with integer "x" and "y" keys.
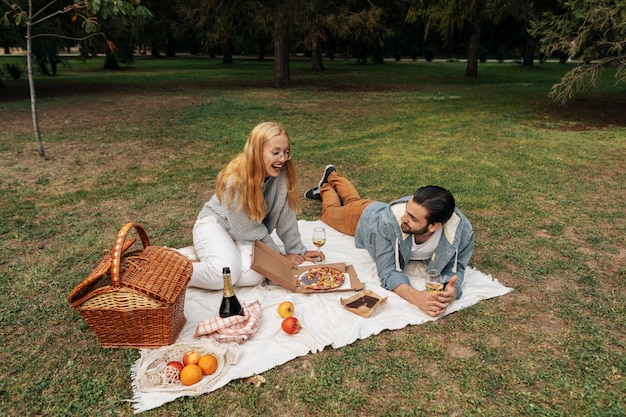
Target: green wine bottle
{"x": 230, "y": 304}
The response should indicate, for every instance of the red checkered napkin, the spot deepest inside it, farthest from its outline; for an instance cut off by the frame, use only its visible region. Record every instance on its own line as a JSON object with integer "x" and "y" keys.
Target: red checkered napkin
{"x": 234, "y": 328}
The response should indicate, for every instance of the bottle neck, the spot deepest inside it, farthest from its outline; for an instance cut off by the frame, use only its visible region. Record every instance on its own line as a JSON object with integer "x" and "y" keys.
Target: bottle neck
{"x": 228, "y": 286}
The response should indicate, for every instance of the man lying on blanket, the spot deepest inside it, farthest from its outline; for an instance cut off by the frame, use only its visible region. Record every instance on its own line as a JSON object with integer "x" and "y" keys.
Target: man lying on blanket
{"x": 424, "y": 227}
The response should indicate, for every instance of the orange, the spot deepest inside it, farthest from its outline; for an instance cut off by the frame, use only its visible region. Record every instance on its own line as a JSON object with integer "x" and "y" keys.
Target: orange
{"x": 190, "y": 374}
{"x": 208, "y": 364}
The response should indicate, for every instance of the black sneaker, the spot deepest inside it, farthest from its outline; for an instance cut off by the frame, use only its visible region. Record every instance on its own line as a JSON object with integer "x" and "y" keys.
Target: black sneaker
{"x": 327, "y": 171}
{"x": 313, "y": 194}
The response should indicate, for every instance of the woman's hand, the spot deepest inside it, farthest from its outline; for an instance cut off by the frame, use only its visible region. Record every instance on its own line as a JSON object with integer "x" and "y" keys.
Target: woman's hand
{"x": 310, "y": 256}
{"x": 294, "y": 258}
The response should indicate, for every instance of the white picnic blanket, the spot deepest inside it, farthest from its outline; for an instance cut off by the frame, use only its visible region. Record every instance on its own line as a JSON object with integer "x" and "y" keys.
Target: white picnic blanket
{"x": 324, "y": 320}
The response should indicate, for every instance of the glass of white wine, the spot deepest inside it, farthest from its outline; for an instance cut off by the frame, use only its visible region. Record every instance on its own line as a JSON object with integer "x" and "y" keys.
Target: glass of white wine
{"x": 319, "y": 240}
{"x": 434, "y": 281}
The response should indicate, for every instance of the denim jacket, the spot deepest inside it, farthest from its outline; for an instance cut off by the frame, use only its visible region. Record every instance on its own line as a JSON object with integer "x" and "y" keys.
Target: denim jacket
{"x": 378, "y": 230}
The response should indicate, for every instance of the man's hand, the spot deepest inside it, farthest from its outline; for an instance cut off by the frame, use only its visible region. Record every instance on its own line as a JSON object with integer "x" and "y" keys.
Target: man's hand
{"x": 449, "y": 294}
{"x": 431, "y": 303}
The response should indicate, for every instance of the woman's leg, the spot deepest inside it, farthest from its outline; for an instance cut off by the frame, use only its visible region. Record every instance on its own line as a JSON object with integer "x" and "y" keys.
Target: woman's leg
{"x": 248, "y": 277}
{"x": 215, "y": 249}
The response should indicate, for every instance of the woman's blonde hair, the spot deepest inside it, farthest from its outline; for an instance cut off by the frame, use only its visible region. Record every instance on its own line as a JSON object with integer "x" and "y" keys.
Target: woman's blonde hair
{"x": 245, "y": 175}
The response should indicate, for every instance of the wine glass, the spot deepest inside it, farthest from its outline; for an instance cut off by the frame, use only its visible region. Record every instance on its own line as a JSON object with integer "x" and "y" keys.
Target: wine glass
{"x": 434, "y": 282}
{"x": 319, "y": 239}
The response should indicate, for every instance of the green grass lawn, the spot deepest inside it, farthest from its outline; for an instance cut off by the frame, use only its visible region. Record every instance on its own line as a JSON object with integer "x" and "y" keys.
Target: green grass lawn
{"x": 542, "y": 184}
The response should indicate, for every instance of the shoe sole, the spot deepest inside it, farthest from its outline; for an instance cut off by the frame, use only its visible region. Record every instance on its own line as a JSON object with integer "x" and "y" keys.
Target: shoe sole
{"x": 317, "y": 197}
{"x": 325, "y": 176}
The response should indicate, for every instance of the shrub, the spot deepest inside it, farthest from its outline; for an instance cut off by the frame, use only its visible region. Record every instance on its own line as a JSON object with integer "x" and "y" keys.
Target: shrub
{"x": 429, "y": 54}
{"x": 500, "y": 55}
{"x": 482, "y": 56}
{"x": 15, "y": 71}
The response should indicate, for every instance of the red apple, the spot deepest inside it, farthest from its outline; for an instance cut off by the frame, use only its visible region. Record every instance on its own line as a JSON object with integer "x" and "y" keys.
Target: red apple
{"x": 176, "y": 364}
{"x": 291, "y": 325}
{"x": 171, "y": 374}
{"x": 191, "y": 358}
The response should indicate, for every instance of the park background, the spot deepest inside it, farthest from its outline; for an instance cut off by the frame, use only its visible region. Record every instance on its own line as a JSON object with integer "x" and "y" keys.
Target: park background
{"x": 542, "y": 182}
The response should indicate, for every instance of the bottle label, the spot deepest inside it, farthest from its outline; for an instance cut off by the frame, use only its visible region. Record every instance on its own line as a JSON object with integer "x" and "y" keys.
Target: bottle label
{"x": 228, "y": 286}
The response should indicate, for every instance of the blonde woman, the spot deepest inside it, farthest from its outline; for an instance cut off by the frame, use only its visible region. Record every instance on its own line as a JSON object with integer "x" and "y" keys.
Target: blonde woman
{"x": 256, "y": 193}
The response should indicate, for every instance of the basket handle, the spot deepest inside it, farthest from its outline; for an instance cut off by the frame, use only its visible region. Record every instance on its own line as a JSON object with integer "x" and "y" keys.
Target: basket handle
{"x": 118, "y": 249}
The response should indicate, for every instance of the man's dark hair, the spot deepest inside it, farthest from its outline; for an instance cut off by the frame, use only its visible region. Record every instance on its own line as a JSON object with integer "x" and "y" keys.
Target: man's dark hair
{"x": 438, "y": 201}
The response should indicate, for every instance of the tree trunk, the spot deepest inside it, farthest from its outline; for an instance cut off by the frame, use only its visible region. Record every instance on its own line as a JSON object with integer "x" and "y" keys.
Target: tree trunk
{"x": 529, "y": 51}
{"x": 53, "y": 64}
{"x": 42, "y": 64}
{"x": 110, "y": 61}
{"x": 170, "y": 48}
{"x": 317, "y": 63}
{"x": 471, "y": 70}
{"x": 316, "y": 58}
{"x": 194, "y": 48}
{"x": 31, "y": 80}
{"x": 154, "y": 49}
{"x": 379, "y": 57}
{"x": 227, "y": 48}
{"x": 282, "y": 77}
{"x": 361, "y": 53}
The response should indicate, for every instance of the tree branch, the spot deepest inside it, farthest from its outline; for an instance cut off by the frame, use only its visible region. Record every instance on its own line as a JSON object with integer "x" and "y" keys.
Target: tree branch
{"x": 66, "y": 9}
{"x": 51, "y": 35}
{"x": 44, "y": 8}
{"x": 51, "y": 15}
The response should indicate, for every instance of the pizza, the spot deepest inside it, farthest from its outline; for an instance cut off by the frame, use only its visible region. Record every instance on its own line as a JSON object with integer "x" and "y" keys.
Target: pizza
{"x": 323, "y": 278}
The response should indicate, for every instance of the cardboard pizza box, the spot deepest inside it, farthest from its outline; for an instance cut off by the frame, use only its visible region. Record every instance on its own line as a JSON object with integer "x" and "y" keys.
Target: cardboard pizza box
{"x": 279, "y": 270}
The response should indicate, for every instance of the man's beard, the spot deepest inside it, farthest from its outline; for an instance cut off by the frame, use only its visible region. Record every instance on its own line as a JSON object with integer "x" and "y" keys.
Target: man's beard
{"x": 420, "y": 232}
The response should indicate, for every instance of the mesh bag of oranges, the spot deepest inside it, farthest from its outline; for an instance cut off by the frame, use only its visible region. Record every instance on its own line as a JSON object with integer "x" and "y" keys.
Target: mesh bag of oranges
{"x": 189, "y": 366}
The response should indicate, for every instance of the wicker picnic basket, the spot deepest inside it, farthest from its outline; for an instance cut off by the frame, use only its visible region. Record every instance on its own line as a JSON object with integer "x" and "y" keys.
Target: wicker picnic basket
{"x": 135, "y": 298}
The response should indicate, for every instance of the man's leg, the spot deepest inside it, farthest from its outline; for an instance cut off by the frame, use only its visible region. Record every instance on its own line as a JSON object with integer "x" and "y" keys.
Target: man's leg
{"x": 347, "y": 192}
{"x": 341, "y": 217}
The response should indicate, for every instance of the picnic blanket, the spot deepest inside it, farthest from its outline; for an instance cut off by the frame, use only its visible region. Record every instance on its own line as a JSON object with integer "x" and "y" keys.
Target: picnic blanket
{"x": 325, "y": 322}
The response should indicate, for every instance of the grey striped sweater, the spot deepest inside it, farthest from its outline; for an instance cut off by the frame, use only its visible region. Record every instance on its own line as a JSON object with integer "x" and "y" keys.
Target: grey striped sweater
{"x": 279, "y": 216}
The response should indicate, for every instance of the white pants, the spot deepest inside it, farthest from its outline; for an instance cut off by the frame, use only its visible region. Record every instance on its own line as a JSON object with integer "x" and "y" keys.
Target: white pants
{"x": 216, "y": 249}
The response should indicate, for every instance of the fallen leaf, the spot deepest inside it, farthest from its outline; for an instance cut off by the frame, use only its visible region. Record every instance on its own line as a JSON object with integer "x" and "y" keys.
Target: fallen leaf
{"x": 256, "y": 380}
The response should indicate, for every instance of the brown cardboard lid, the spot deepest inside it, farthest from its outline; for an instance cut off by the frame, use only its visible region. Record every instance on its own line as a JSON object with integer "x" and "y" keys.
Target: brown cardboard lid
{"x": 273, "y": 266}
{"x": 278, "y": 269}
{"x": 363, "y": 303}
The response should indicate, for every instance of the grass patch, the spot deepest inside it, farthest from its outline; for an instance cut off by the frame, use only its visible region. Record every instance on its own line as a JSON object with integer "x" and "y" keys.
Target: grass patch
{"x": 542, "y": 183}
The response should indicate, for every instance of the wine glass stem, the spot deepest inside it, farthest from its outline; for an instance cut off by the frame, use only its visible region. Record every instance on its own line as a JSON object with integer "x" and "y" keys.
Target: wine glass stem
{"x": 319, "y": 255}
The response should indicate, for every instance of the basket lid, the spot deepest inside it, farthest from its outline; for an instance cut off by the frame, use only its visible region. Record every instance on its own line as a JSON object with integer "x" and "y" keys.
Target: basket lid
{"x": 159, "y": 272}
